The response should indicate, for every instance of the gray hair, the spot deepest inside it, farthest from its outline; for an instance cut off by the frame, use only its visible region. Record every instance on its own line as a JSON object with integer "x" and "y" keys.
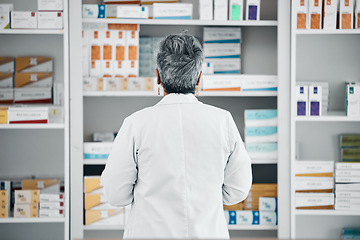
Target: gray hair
{"x": 179, "y": 62}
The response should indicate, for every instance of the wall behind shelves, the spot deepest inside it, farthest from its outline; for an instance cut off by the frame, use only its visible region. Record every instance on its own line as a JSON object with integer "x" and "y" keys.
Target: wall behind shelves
{"x": 32, "y": 231}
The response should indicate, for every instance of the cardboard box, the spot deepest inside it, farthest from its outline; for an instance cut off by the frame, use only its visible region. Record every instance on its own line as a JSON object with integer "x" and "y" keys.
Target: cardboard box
{"x": 259, "y": 83}
{"x": 50, "y": 20}
{"x": 92, "y": 184}
{"x": 226, "y": 66}
{"x": 32, "y": 95}
{"x": 51, "y": 205}
{"x": 44, "y": 185}
{"x": 111, "y": 11}
{"x": 173, "y": 11}
{"x": 247, "y": 217}
{"x": 346, "y": 14}
{"x": 314, "y": 201}
{"x": 140, "y": 84}
{"x": 347, "y": 194}
{"x": 261, "y": 134}
{"x": 6, "y": 64}
{"x": 330, "y": 14}
{"x": 26, "y": 210}
{"x": 347, "y": 187}
{"x": 302, "y": 100}
{"x": 314, "y": 184}
{"x": 314, "y": 168}
{"x": 7, "y": 96}
{"x": 5, "y": 197}
{"x": 96, "y": 201}
{"x": 262, "y": 150}
{"x": 51, "y": 213}
{"x": 315, "y": 99}
{"x": 103, "y": 137}
{"x": 221, "y": 10}
{"x": 132, "y": 11}
{"x": 93, "y": 11}
{"x": 51, "y": 197}
{"x": 4, "y": 20}
{"x": 132, "y": 68}
{"x": 33, "y": 64}
{"x": 268, "y": 218}
{"x": 104, "y": 217}
{"x": 25, "y": 20}
{"x": 236, "y": 8}
{"x": 222, "y": 50}
{"x": 302, "y": 12}
{"x": 347, "y": 179}
{"x": 4, "y": 211}
{"x": 263, "y": 187}
{"x": 268, "y": 204}
{"x": 27, "y": 196}
{"x": 33, "y": 80}
{"x": 261, "y": 117}
{"x": 58, "y": 93}
{"x": 115, "y": 84}
{"x": 315, "y": 13}
{"x": 93, "y": 84}
{"x": 23, "y": 115}
{"x": 6, "y": 80}
{"x": 206, "y": 9}
{"x": 96, "y": 150}
{"x": 3, "y": 114}
{"x": 107, "y": 69}
{"x": 347, "y": 207}
{"x": 253, "y": 10}
{"x": 50, "y": 5}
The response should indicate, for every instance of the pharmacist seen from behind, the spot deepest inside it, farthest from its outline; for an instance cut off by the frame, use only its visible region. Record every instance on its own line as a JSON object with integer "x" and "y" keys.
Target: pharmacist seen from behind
{"x": 179, "y": 161}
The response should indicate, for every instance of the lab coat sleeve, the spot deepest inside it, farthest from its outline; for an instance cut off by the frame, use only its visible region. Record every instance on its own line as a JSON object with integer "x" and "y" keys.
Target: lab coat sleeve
{"x": 120, "y": 174}
{"x": 237, "y": 173}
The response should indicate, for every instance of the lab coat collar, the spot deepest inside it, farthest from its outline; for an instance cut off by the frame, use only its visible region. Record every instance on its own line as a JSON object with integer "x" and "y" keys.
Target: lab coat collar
{"x": 176, "y": 98}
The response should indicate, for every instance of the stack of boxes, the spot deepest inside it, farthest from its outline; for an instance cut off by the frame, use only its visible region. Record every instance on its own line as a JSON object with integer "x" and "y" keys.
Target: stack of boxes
{"x": 259, "y": 208}
{"x": 97, "y": 210}
{"x": 51, "y": 204}
{"x": 5, "y": 199}
{"x": 312, "y": 98}
{"x": 261, "y": 134}
{"x": 335, "y": 14}
{"x": 148, "y": 50}
{"x": 222, "y": 49}
{"x": 26, "y": 203}
{"x": 352, "y": 99}
{"x": 314, "y": 184}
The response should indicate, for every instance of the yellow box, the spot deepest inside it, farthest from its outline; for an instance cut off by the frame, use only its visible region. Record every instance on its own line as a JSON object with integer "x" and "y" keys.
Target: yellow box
{"x": 4, "y": 211}
{"x": 33, "y": 64}
{"x": 26, "y": 210}
{"x": 3, "y": 197}
{"x": 35, "y": 79}
{"x": 93, "y": 200}
{"x": 91, "y": 183}
{"x": 45, "y": 185}
{"x": 3, "y": 115}
{"x": 104, "y": 217}
{"x": 27, "y": 196}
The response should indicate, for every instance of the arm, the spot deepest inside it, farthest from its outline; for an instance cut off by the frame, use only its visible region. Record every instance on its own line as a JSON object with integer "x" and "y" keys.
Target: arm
{"x": 120, "y": 172}
{"x": 237, "y": 173}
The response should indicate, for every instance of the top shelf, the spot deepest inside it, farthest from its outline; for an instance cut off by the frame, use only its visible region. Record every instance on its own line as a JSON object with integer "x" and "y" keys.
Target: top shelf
{"x": 181, "y": 22}
{"x": 33, "y": 31}
{"x": 322, "y": 31}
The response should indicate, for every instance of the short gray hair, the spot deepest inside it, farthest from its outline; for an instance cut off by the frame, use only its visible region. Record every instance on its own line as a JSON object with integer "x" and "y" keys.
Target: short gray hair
{"x": 179, "y": 62}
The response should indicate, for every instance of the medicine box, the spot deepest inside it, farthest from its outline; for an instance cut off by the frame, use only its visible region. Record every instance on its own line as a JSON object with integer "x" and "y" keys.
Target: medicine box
{"x": 51, "y": 197}
{"x": 261, "y": 117}
{"x": 50, "y": 20}
{"x": 97, "y": 150}
{"x": 32, "y": 95}
{"x": 92, "y": 184}
{"x": 6, "y": 80}
{"x": 238, "y": 206}
{"x": 222, "y": 35}
{"x": 26, "y": 210}
{"x": 97, "y": 201}
{"x": 302, "y": 12}
{"x": 347, "y": 187}
{"x": 207, "y": 68}
{"x": 221, "y": 10}
{"x": 114, "y": 84}
{"x": 24, "y": 115}
{"x": 6, "y": 64}
{"x": 93, "y": 11}
{"x": 315, "y": 13}
{"x": 44, "y": 185}
{"x": 262, "y": 150}
{"x": 315, "y": 100}
{"x": 259, "y": 83}
{"x": 50, "y": 5}
{"x": 173, "y": 10}
{"x": 314, "y": 184}
{"x": 132, "y": 11}
{"x": 33, "y": 64}
{"x": 206, "y": 9}
{"x": 350, "y": 141}
{"x": 4, "y": 199}
{"x": 347, "y": 207}
{"x": 346, "y": 14}
{"x": 253, "y": 10}
{"x": 225, "y": 65}
{"x": 314, "y": 200}
{"x": 236, "y": 9}
{"x": 24, "y": 20}
{"x": 268, "y": 218}
{"x": 330, "y": 14}
{"x": 247, "y": 217}
{"x": 105, "y": 217}
{"x": 4, "y": 210}
{"x": 222, "y": 50}
{"x": 314, "y": 168}
{"x": 4, "y": 20}
{"x": 27, "y": 196}
{"x": 268, "y": 204}
{"x": 302, "y": 100}
{"x": 33, "y": 80}
{"x": 140, "y": 84}
{"x": 347, "y": 166}
{"x": 350, "y": 154}
{"x": 5, "y": 192}
{"x": 352, "y": 100}
{"x": 6, "y": 96}
{"x": 103, "y": 137}
{"x": 111, "y": 11}
{"x": 93, "y": 84}
{"x": 261, "y": 134}
{"x": 221, "y": 83}
{"x": 51, "y": 205}
{"x": 51, "y": 213}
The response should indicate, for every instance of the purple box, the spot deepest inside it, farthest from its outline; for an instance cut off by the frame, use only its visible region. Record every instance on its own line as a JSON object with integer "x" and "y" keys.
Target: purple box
{"x": 301, "y": 108}
{"x": 253, "y": 12}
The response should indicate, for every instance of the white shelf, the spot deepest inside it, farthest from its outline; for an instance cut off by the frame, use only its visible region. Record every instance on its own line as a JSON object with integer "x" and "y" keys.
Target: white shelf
{"x": 181, "y": 22}
{"x": 103, "y": 161}
{"x": 327, "y": 212}
{"x": 322, "y": 31}
{"x": 330, "y": 117}
{"x": 32, "y": 220}
{"x": 32, "y": 31}
{"x": 201, "y": 94}
{"x": 264, "y": 161}
{"x": 33, "y": 126}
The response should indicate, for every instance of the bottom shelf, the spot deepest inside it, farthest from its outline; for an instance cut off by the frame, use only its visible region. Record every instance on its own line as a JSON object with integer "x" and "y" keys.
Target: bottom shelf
{"x": 327, "y": 212}
{"x": 32, "y": 220}
{"x": 230, "y": 227}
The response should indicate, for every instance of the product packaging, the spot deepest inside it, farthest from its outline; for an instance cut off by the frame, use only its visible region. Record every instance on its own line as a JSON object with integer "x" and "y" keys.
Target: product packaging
{"x": 314, "y": 201}
{"x": 221, "y": 83}
{"x": 314, "y": 168}
{"x": 92, "y": 184}
{"x": 315, "y": 13}
{"x": 253, "y": 10}
{"x": 27, "y": 115}
{"x": 26, "y": 210}
{"x": 259, "y": 83}
{"x": 51, "y": 213}
{"x": 261, "y": 117}
{"x": 50, "y": 5}
{"x": 25, "y": 20}
{"x": 314, "y": 184}
{"x": 236, "y": 8}
{"x": 51, "y": 197}
{"x": 32, "y": 95}
{"x": 346, "y": 14}
{"x": 268, "y": 204}
{"x": 51, "y": 205}
{"x": 302, "y": 100}
{"x": 33, "y": 64}
{"x": 6, "y": 95}
{"x": 93, "y": 11}
{"x": 302, "y": 11}
{"x": 132, "y": 11}
{"x": 315, "y": 99}
{"x": 262, "y": 150}
{"x": 4, "y": 20}
{"x": 330, "y": 14}
{"x": 3, "y": 114}
{"x": 221, "y": 10}
{"x": 33, "y": 80}
{"x": 6, "y": 64}
{"x": 352, "y": 99}
{"x": 173, "y": 10}
{"x": 50, "y": 20}
{"x": 105, "y": 217}
{"x": 206, "y": 9}
{"x": 6, "y": 80}
{"x": 27, "y": 196}
{"x": 225, "y": 65}
{"x": 97, "y": 150}
{"x": 44, "y": 185}
{"x": 261, "y": 134}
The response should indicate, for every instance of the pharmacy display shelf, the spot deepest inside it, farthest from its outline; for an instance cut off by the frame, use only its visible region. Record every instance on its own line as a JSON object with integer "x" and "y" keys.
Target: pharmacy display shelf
{"x": 32, "y": 220}
{"x": 103, "y": 161}
{"x": 335, "y": 116}
{"x": 327, "y": 212}
{"x": 322, "y": 31}
{"x": 201, "y": 94}
{"x": 33, "y": 126}
{"x": 194, "y": 22}
{"x": 32, "y": 31}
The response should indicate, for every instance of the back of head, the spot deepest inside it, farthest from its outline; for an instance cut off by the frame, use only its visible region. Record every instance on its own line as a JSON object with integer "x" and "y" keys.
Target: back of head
{"x": 179, "y": 62}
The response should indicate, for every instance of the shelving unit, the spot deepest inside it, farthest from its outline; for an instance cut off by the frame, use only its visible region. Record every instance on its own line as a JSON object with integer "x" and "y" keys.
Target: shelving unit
{"x": 40, "y": 150}
{"x": 265, "y": 51}
{"x": 318, "y": 55}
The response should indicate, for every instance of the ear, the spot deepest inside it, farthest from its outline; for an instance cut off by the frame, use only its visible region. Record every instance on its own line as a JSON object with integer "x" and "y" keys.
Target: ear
{"x": 198, "y": 82}
{"x": 158, "y": 76}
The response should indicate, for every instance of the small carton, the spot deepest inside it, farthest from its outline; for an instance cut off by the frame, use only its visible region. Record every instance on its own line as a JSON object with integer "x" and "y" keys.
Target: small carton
{"x": 268, "y": 218}
{"x": 92, "y": 184}
{"x": 221, "y": 10}
{"x": 34, "y": 80}
{"x": 25, "y": 20}
{"x": 27, "y": 196}
{"x": 140, "y": 84}
{"x": 206, "y": 9}
{"x": 314, "y": 200}
{"x": 262, "y": 150}
{"x": 6, "y": 64}
{"x": 222, "y": 50}
{"x": 32, "y": 95}
{"x": 6, "y": 80}
{"x": 4, "y": 197}
{"x": 3, "y": 115}
{"x": 314, "y": 184}
{"x": 93, "y": 11}
{"x": 215, "y": 83}
{"x": 4, "y": 210}
{"x": 51, "y": 205}
{"x": 352, "y": 100}
{"x": 261, "y": 117}
{"x": 314, "y": 168}
{"x": 44, "y": 185}
{"x": 52, "y": 213}
{"x": 315, "y": 99}
{"x": 253, "y": 10}
{"x": 105, "y": 217}
{"x": 132, "y": 11}
{"x": 302, "y": 100}
{"x": 174, "y": 10}
{"x": 33, "y": 64}
{"x": 93, "y": 84}
{"x": 24, "y": 115}
{"x": 230, "y": 217}
{"x": 315, "y": 13}
{"x": 97, "y": 150}
{"x": 247, "y": 217}
{"x": 26, "y": 210}
{"x": 330, "y": 14}
{"x": 50, "y": 5}
{"x": 268, "y": 204}
{"x": 261, "y": 134}
{"x": 346, "y": 14}
{"x": 6, "y": 7}
{"x": 50, "y": 20}
{"x": 302, "y": 12}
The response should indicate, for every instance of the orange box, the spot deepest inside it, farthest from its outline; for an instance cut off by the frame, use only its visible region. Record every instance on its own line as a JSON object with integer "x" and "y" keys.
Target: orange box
{"x": 33, "y": 64}
{"x": 92, "y": 184}
{"x": 3, "y": 115}
{"x": 38, "y": 80}
{"x": 4, "y": 211}
{"x": 45, "y": 185}
{"x": 7, "y": 64}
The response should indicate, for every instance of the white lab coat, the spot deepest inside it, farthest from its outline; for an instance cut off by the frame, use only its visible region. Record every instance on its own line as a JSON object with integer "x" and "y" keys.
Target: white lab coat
{"x": 177, "y": 162}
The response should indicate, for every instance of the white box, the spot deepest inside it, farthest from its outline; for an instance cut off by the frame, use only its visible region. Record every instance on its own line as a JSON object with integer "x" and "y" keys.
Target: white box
{"x": 172, "y": 11}
{"x": 302, "y": 14}
{"x": 4, "y": 20}
{"x": 207, "y": 68}
{"x": 268, "y": 218}
{"x": 352, "y": 100}
{"x": 132, "y": 68}
{"x": 140, "y": 84}
{"x": 236, "y": 9}
{"x": 302, "y": 100}
{"x": 6, "y": 7}
{"x": 221, "y": 83}
{"x": 221, "y": 10}
{"x": 26, "y": 20}
{"x": 50, "y": 5}
{"x": 50, "y": 20}
{"x": 348, "y": 173}
{"x": 261, "y": 134}
{"x": 222, "y": 50}
{"x": 347, "y": 194}
{"x": 206, "y": 9}
{"x": 347, "y": 187}
{"x": 346, "y": 14}
{"x": 225, "y": 65}
{"x": 112, "y": 84}
{"x": 313, "y": 183}
{"x": 314, "y": 199}
{"x": 32, "y": 95}
{"x": 330, "y": 14}
{"x": 268, "y": 204}
{"x": 58, "y": 94}
{"x": 93, "y": 11}
{"x": 28, "y": 115}
{"x": 51, "y": 213}
{"x": 56, "y": 114}
{"x": 107, "y": 68}
{"x": 347, "y": 200}
{"x": 253, "y": 10}
{"x": 51, "y": 197}
{"x": 111, "y": 11}
{"x": 132, "y": 11}
{"x": 262, "y": 150}
{"x": 105, "y": 217}
{"x": 51, "y": 205}
{"x": 347, "y": 207}
{"x": 103, "y": 137}
{"x": 315, "y": 100}
{"x": 120, "y": 70}
{"x": 312, "y": 168}
{"x": 347, "y": 166}
{"x": 247, "y": 217}
{"x": 6, "y": 96}
{"x": 6, "y": 80}
{"x": 259, "y": 83}
{"x": 261, "y": 117}
{"x": 315, "y": 14}
{"x": 347, "y": 179}
{"x": 97, "y": 150}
